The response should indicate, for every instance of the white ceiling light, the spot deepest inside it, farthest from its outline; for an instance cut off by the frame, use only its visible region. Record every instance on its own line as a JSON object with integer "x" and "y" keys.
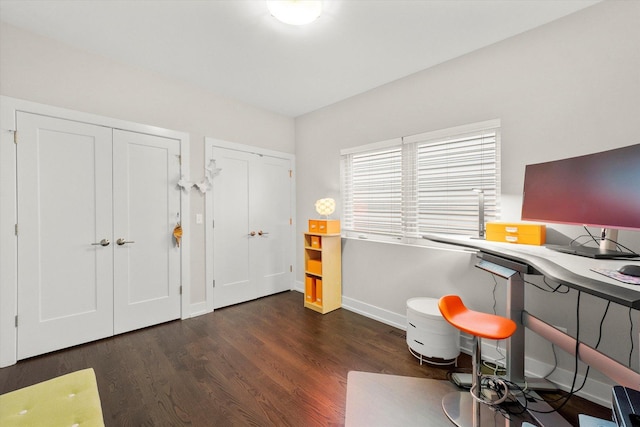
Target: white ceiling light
{"x": 295, "y": 12}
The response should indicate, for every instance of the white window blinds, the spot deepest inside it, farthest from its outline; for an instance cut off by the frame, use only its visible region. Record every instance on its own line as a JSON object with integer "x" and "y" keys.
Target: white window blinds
{"x": 372, "y": 190}
{"x": 422, "y": 184}
{"x": 447, "y": 171}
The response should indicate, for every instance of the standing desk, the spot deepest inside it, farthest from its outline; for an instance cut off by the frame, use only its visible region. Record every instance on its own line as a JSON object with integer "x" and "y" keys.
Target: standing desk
{"x": 512, "y": 261}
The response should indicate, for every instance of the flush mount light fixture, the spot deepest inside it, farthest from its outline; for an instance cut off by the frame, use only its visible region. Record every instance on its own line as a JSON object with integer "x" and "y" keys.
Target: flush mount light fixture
{"x": 295, "y": 12}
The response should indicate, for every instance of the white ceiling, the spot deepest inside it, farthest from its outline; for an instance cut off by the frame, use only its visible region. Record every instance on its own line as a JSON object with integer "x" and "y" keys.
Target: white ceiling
{"x": 235, "y": 48}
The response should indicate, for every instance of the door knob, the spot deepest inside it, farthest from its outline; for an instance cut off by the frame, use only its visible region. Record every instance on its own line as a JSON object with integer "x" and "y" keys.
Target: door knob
{"x": 253, "y": 233}
{"x": 262, "y": 233}
{"x": 121, "y": 241}
{"x": 103, "y": 242}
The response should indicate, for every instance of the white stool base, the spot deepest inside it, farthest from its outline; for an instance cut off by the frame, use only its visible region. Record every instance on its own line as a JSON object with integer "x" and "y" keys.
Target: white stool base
{"x": 433, "y": 361}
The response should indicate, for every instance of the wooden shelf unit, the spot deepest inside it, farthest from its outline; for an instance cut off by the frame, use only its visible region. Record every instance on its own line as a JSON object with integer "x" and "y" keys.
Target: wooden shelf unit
{"x": 323, "y": 271}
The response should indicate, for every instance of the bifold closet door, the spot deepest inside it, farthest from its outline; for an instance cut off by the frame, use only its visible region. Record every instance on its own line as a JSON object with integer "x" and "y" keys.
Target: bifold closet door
{"x": 65, "y": 257}
{"x": 252, "y": 225}
{"x": 234, "y": 282}
{"x": 146, "y": 206}
{"x": 270, "y": 215}
{"x": 96, "y": 211}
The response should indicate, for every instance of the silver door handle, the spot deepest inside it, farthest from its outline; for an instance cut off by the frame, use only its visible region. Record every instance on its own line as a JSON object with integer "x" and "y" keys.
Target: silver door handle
{"x": 121, "y": 241}
{"x": 103, "y": 242}
{"x": 262, "y": 233}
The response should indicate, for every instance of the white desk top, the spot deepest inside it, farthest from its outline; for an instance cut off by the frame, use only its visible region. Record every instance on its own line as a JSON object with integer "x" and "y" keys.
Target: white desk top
{"x": 570, "y": 270}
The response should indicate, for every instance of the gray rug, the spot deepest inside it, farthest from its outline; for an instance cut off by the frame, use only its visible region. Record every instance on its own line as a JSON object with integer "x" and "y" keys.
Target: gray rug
{"x": 378, "y": 400}
{"x": 391, "y": 400}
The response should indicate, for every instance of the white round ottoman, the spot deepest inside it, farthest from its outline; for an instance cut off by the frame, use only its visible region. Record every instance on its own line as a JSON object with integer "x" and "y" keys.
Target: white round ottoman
{"x": 429, "y": 336}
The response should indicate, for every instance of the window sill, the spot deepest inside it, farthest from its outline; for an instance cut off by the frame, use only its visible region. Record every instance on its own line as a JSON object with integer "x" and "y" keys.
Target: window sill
{"x": 402, "y": 241}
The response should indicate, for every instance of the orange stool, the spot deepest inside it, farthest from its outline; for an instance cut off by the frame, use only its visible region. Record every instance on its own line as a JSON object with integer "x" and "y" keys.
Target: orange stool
{"x": 464, "y": 409}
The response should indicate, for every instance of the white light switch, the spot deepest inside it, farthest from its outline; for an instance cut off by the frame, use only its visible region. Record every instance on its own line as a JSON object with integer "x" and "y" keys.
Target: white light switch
{"x": 198, "y": 218}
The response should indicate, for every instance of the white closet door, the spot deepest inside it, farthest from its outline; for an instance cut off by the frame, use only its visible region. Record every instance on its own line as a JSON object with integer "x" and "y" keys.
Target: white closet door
{"x": 232, "y": 233}
{"x": 270, "y": 212}
{"x": 251, "y": 235}
{"x": 65, "y": 276}
{"x": 146, "y": 210}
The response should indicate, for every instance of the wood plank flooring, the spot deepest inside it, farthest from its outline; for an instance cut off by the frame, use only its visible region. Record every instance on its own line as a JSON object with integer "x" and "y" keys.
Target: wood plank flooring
{"x": 265, "y": 362}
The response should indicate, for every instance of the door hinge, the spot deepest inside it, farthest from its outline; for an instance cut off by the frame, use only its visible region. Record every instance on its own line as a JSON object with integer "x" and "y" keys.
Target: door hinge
{"x": 179, "y": 156}
{"x": 291, "y": 269}
{"x": 16, "y": 320}
{"x": 290, "y": 221}
{"x": 214, "y": 283}
{"x": 213, "y": 224}
{"x": 290, "y": 173}
{"x": 180, "y": 289}
{"x": 16, "y": 229}
{"x": 15, "y": 136}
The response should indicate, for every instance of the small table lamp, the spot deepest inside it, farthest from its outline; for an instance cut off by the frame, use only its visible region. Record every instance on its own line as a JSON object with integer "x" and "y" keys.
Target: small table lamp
{"x": 325, "y": 207}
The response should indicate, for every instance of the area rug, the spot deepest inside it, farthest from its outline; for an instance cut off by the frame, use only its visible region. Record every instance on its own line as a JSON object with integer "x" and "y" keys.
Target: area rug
{"x": 391, "y": 400}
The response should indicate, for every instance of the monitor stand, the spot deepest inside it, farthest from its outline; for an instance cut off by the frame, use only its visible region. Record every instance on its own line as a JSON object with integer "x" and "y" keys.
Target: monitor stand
{"x": 608, "y": 239}
{"x": 597, "y": 253}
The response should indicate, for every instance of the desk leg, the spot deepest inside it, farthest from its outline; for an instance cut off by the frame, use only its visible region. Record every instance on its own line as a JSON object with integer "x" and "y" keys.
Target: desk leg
{"x": 542, "y": 412}
{"x": 515, "y": 344}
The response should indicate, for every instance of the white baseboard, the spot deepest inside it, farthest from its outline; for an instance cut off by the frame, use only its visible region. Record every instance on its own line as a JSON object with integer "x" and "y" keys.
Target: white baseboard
{"x": 196, "y": 309}
{"x": 594, "y": 390}
{"x": 376, "y": 313}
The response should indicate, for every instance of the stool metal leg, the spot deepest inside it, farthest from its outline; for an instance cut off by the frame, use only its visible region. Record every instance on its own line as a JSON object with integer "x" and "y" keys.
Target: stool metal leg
{"x": 465, "y": 411}
{"x": 476, "y": 380}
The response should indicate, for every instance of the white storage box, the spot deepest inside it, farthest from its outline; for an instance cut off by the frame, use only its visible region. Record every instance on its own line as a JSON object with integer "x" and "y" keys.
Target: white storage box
{"x": 429, "y": 335}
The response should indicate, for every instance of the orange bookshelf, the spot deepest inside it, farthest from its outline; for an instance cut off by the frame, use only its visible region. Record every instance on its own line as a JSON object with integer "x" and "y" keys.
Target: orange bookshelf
{"x": 323, "y": 272}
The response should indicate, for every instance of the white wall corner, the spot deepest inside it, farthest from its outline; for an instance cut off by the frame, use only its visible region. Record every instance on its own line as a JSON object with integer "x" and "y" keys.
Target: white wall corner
{"x": 197, "y": 309}
{"x": 8, "y": 239}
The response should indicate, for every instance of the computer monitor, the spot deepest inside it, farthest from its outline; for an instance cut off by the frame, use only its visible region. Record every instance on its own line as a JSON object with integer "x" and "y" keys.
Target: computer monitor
{"x": 600, "y": 190}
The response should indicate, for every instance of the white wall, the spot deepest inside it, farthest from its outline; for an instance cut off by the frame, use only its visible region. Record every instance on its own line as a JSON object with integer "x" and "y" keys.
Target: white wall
{"x": 568, "y": 88}
{"x": 39, "y": 69}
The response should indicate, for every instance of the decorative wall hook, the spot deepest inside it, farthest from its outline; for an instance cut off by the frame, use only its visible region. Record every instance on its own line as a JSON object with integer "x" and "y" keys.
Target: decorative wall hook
{"x": 210, "y": 171}
{"x": 184, "y": 184}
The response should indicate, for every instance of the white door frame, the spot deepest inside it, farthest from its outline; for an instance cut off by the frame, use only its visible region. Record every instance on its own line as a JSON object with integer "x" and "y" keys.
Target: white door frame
{"x": 209, "y": 144}
{"x": 8, "y": 208}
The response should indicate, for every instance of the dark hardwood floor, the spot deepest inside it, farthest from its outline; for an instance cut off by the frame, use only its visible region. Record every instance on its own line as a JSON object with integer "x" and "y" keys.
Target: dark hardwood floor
{"x": 265, "y": 362}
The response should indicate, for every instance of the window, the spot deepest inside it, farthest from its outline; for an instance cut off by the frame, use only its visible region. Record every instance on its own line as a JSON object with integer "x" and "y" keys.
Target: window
{"x": 406, "y": 187}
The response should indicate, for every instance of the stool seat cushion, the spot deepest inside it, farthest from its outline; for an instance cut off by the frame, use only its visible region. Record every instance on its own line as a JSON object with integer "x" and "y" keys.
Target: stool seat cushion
{"x": 69, "y": 400}
{"x": 483, "y": 325}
